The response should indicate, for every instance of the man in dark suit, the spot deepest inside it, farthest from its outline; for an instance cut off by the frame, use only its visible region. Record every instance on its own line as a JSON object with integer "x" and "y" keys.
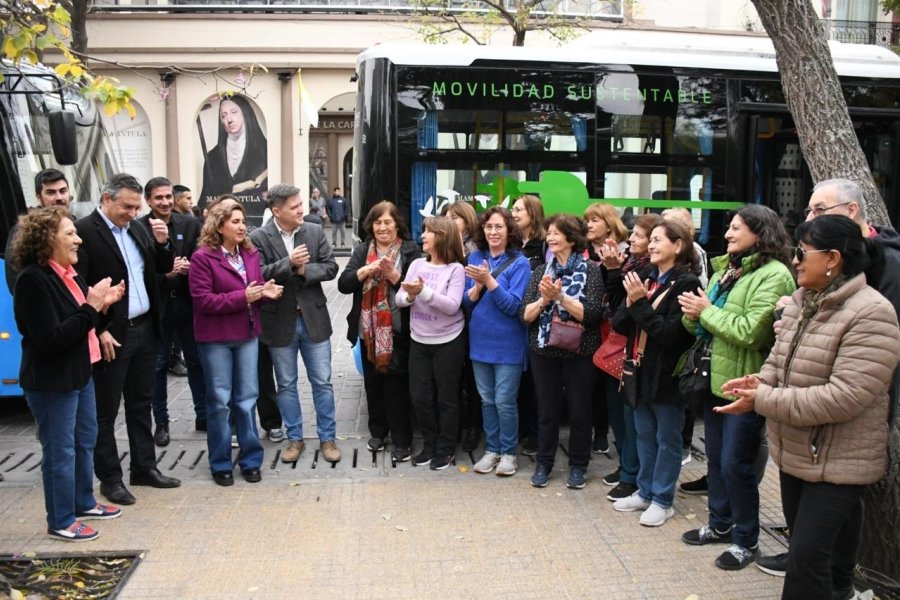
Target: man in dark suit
{"x": 114, "y": 244}
{"x": 176, "y": 306}
{"x": 298, "y": 256}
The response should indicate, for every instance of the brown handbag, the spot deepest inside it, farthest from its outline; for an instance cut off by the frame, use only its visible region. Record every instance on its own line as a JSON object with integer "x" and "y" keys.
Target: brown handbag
{"x": 565, "y": 335}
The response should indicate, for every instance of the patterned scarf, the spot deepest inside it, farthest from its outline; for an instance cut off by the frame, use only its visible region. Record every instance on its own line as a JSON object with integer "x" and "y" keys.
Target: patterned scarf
{"x": 812, "y": 302}
{"x": 376, "y": 318}
{"x": 574, "y": 279}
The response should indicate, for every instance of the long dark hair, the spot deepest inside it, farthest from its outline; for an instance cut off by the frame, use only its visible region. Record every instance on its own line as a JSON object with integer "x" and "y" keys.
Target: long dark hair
{"x": 773, "y": 241}
{"x": 840, "y": 233}
{"x": 686, "y": 259}
{"x": 513, "y": 234}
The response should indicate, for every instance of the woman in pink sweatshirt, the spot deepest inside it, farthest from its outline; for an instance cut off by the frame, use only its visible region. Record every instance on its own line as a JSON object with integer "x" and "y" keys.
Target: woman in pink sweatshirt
{"x": 433, "y": 290}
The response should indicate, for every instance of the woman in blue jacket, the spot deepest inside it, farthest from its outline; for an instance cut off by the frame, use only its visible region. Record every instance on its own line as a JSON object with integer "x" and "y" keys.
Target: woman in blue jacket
{"x": 496, "y": 278}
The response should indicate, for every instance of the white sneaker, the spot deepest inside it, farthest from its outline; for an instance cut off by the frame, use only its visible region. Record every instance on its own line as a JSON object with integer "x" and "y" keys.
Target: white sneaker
{"x": 631, "y": 504}
{"x": 508, "y": 465}
{"x": 656, "y": 515}
{"x": 487, "y": 463}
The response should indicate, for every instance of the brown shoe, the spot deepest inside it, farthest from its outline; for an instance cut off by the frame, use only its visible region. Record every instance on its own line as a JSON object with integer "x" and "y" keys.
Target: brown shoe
{"x": 293, "y": 451}
{"x": 330, "y": 451}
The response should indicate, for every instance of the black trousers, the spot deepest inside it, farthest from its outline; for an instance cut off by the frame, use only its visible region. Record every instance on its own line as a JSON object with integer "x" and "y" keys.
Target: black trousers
{"x": 387, "y": 399}
{"x": 269, "y": 415}
{"x": 434, "y": 371}
{"x": 600, "y": 414}
{"x": 825, "y": 521}
{"x": 577, "y": 375}
{"x": 131, "y": 375}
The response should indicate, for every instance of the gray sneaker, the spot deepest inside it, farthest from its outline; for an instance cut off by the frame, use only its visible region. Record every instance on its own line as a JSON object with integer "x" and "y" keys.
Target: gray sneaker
{"x": 275, "y": 435}
{"x": 487, "y": 463}
{"x": 508, "y": 465}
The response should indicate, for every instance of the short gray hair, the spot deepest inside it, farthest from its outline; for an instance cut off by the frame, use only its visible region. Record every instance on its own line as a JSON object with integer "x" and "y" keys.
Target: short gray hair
{"x": 847, "y": 191}
{"x": 119, "y": 182}
{"x": 279, "y": 194}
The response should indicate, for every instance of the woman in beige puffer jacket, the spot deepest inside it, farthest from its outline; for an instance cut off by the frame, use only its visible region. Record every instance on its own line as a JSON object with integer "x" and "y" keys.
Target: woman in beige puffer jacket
{"x": 823, "y": 390}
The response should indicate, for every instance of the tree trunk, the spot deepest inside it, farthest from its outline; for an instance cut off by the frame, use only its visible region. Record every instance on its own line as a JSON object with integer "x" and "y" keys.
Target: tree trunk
{"x": 78, "y": 10}
{"x": 813, "y": 94}
{"x": 881, "y": 527}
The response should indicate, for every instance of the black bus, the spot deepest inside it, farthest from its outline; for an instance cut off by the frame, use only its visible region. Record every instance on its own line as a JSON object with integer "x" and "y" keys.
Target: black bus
{"x": 642, "y": 120}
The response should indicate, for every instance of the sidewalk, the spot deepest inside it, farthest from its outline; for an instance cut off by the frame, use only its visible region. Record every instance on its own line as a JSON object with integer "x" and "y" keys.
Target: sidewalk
{"x": 368, "y": 529}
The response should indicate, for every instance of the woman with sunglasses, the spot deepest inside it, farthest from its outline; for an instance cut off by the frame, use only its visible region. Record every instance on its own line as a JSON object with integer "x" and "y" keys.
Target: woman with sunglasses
{"x": 734, "y": 316}
{"x": 824, "y": 391}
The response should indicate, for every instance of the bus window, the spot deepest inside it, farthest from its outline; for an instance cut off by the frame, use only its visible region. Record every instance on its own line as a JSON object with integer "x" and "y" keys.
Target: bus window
{"x": 544, "y": 132}
{"x": 461, "y": 130}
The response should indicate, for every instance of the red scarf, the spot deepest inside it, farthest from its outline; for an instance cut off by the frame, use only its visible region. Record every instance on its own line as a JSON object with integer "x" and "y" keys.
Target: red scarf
{"x": 376, "y": 319}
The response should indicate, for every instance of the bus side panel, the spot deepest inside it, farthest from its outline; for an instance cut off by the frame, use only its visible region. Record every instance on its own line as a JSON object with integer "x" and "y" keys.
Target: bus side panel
{"x": 10, "y": 344}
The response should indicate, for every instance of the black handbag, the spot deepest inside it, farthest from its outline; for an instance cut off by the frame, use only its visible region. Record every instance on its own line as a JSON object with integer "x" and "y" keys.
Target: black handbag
{"x": 694, "y": 379}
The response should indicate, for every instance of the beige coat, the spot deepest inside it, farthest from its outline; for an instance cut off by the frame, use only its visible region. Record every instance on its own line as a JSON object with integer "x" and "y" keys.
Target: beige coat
{"x": 827, "y": 409}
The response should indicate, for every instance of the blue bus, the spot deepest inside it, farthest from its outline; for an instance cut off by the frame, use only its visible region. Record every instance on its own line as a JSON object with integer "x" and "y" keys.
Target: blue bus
{"x": 43, "y": 124}
{"x": 642, "y": 120}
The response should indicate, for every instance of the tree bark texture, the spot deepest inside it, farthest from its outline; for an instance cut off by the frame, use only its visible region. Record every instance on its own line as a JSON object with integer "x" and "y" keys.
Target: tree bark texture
{"x": 813, "y": 94}
{"x": 78, "y": 10}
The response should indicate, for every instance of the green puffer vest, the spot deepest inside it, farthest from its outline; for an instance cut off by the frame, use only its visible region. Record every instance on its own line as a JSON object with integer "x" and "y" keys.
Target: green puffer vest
{"x": 742, "y": 329}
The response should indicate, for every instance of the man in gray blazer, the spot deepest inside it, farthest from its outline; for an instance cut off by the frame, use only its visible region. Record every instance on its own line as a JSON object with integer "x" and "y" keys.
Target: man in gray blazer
{"x": 298, "y": 256}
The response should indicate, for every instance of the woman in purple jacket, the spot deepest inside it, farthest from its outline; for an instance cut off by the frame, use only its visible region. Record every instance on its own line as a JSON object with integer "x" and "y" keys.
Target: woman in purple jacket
{"x": 224, "y": 279}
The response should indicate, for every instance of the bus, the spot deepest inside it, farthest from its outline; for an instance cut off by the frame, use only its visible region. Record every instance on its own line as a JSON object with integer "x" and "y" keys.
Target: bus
{"x": 43, "y": 124}
{"x": 641, "y": 120}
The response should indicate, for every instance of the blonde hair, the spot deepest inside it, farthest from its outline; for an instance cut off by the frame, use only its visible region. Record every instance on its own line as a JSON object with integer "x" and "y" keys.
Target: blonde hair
{"x": 681, "y": 215}
{"x": 607, "y": 214}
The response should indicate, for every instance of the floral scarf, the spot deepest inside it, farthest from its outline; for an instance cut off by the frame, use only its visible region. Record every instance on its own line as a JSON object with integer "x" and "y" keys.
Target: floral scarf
{"x": 574, "y": 280}
{"x": 376, "y": 319}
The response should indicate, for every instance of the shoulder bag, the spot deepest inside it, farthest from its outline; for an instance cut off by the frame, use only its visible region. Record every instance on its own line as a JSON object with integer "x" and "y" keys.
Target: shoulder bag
{"x": 628, "y": 386}
{"x": 694, "y": 379}
{"x": 611, "y": 353}
{"x": 565, "y": 335}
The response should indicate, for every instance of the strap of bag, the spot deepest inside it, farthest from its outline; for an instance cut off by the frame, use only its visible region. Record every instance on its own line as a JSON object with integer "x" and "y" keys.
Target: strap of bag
{"x": 496, "y": 273}
{"x": 642, "y": 336}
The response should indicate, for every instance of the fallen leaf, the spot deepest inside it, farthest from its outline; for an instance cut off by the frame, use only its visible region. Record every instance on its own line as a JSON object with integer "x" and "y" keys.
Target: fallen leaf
{"x": 401, "y": 528}
{"x": 294, "y": 483}
{"x": 690, "y": 516}
{"x": 463, "y": 469}
{"x": 545, "y": 495}
{"x": 559, "y": 493}
{"x": 15, "y": 594}
{"x": 386, "y": 516}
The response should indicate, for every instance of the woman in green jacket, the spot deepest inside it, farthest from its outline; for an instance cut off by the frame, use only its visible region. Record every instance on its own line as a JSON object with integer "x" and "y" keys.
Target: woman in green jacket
{"x": 735, "y": 316}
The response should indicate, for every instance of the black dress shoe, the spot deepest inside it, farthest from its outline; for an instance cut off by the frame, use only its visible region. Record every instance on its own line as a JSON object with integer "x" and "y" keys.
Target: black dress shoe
{"x": 200, "y": 425}
{"x": 224, "y": 478}
{"x": 117, "y": 493}
{"x": 178, "y": 369}
{"x": 154, "y": 478}
{"x": 161, "y": 437}
{"x": 251, "y": 475}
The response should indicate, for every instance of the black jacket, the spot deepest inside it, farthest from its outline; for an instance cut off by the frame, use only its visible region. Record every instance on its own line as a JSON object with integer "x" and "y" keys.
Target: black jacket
{"x": 667, "y": 339}
{"x": 348, "y": 283}
{"x": 54, "y": 328}
{"x": 184, "y": 232}
{"x": 99, "y": 256}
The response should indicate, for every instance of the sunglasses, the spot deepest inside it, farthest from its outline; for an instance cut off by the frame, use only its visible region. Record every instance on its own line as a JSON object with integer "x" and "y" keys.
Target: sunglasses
{"x": 800, "y": 253}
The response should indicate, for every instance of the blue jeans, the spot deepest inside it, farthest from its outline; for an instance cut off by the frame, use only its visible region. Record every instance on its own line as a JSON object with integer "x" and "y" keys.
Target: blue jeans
{"x": 732, "y": 446}
{"x": 659, "y": 450}
{"x": 621, "y": 419}
{"x": 498, "y": 386}
{"x": 317, "y": 359}
{"x": 178, "y": 319}
{"x": 231, "y": 386}
{"x": 67, "y": 426}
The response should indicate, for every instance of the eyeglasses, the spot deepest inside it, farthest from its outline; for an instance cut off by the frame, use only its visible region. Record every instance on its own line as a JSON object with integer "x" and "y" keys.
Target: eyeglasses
{"x": 818, "y": 210}
{"x": 494, "y": 227}
{"x": 800, "y": 253}
{"x": 516, "y": 209}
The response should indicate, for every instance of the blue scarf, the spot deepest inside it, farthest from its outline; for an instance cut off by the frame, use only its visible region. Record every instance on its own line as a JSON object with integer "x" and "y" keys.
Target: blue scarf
{"x": 574, "y": 279}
